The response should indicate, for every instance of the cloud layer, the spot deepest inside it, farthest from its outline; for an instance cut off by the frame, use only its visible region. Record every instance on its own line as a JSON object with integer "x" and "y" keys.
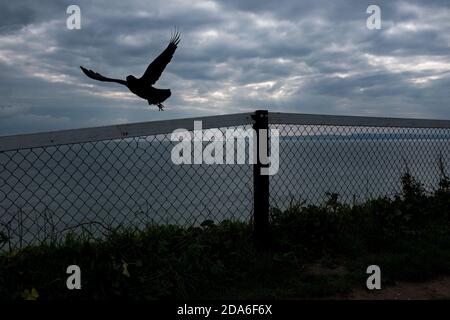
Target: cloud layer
{"x": 235, "y": 56}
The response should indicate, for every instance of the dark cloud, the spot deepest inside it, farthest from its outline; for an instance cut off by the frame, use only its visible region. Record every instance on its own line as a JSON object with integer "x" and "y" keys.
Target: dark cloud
{"x": 293, "y": 56}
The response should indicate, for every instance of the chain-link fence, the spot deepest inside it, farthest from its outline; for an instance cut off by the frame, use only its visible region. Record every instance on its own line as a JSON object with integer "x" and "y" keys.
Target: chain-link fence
{"x": 94, "y": 180}
{"x": 95, "y": 186}
{"x": 355, "y": 162}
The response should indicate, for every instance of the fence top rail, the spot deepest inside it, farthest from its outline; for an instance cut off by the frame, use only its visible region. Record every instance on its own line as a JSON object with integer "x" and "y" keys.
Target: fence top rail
{"x": 120, "y": 131}
{"x": 333, "y": 120}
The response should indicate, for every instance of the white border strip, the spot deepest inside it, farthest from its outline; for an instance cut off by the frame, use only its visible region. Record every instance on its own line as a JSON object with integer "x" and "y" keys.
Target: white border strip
{"x": 44, "y": 139}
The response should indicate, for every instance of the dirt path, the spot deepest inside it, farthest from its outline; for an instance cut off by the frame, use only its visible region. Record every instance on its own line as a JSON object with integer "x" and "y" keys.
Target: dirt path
{"x": 402, "y": 290}
{"x": 436, "y": 289}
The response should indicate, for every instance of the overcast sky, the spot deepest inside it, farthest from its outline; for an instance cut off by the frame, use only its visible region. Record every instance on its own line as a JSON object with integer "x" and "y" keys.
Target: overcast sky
{"x": 235, "y": 56}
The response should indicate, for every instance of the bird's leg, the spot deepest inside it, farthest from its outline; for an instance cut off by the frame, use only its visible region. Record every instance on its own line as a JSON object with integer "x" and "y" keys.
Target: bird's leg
{"x": 160, "y": 106}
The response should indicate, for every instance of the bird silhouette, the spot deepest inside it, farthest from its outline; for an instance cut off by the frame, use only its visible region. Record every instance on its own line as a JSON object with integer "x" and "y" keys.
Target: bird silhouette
{"x": 143, "y": 86}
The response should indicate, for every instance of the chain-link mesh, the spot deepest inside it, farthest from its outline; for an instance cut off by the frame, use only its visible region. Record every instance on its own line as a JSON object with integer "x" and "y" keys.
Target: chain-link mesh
{"x": 93, "y": 187}
{"x": 97, "y": 186}
{"x": 355, "y": 162}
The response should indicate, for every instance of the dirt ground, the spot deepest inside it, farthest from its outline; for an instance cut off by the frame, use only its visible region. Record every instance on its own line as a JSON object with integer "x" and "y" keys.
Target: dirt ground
{"x": 435, "y": 289}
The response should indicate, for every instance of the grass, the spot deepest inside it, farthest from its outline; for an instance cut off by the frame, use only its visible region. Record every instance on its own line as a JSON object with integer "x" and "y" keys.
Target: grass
{"x": 408, "y": 236}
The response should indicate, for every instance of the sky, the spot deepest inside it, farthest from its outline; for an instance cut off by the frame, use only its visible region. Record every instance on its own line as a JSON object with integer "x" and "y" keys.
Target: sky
{"x": 234, "y": 56}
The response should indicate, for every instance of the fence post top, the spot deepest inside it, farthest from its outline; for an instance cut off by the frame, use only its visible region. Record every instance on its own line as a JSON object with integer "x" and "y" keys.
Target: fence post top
{"x": 260, "y": 114}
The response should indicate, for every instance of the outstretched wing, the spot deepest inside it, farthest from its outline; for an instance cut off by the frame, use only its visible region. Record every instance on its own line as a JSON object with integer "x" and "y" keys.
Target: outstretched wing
{"x": 156, "y": 68}
{"x": 97, "y": 76}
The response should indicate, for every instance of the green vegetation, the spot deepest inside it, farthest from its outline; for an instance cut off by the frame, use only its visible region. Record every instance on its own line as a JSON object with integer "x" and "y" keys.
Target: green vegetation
{"x": 408, "y": 236}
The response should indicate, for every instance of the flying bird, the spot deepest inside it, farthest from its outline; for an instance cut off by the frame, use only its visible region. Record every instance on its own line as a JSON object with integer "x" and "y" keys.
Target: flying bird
{"x": 143, "y": 86}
